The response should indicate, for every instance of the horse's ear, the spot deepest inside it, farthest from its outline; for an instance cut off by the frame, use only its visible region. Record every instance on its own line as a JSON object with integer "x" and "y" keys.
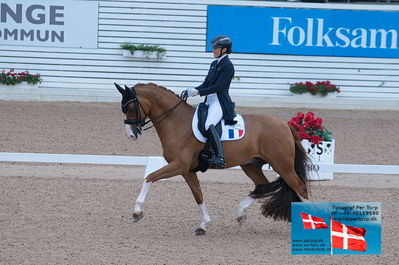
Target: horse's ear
{"x": 120, "y": 89}
{"x": 132, "y": 91}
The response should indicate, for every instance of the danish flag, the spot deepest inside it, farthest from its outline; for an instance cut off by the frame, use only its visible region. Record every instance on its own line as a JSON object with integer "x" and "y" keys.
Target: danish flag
{"x": 347, "y": 237}
{"x": 312, "y": 222}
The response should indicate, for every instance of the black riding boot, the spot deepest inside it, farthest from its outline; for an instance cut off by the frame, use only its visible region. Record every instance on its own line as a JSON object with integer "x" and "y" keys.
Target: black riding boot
{"x": 218, "y": 159}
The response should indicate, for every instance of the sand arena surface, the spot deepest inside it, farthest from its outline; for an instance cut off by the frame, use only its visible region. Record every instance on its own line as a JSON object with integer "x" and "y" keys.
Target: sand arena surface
{"x": 81, "y": 214}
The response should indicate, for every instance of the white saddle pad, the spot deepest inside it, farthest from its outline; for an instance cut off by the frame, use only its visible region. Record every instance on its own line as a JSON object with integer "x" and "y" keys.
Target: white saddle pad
{"x": 229, "y": 132}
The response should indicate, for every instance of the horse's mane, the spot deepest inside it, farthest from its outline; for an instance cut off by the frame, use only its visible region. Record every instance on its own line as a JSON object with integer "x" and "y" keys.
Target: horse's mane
{"x": 161, "y": 87}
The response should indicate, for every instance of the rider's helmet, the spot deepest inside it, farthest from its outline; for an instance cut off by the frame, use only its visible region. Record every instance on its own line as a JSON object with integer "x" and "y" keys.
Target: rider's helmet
{"x": 222, "y": 41}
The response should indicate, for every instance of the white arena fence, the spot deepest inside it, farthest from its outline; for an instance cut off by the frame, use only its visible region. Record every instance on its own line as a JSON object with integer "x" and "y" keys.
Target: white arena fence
{"x": 153, "y": 163}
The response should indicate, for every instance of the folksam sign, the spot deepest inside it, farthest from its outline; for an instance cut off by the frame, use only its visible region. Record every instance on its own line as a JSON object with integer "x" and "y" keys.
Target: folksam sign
{"x": 306, "y": 31}
{"x": 49, "y": 23}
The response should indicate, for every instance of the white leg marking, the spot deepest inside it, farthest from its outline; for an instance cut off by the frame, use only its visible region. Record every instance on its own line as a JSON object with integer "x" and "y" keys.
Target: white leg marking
{"x": 140, "y": 199}
{"x": 244, "y": 205}
{"x": 205, "y": 218}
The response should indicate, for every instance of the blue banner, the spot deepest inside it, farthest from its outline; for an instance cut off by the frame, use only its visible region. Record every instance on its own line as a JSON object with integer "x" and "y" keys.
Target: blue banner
{"x": 321, "y": 32}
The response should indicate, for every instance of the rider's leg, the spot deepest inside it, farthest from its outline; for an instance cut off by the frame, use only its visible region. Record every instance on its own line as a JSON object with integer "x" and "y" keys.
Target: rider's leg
{"x": 214, "y": 138}
{"x": 215, "y": 114}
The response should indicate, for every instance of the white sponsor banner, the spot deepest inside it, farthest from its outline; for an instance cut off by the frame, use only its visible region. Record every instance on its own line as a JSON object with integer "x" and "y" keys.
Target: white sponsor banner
{"x": 49, "y": 23}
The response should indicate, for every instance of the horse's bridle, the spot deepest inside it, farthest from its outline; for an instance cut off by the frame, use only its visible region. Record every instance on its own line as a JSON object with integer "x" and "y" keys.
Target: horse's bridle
{"x": 141, "y": 123}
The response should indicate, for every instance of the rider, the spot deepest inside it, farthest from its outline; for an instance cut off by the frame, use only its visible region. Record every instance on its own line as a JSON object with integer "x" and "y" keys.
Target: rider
{"x": 216, "y": 89}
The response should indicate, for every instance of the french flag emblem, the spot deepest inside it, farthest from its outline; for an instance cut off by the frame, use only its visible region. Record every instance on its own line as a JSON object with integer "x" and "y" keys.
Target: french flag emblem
{"x": 233, "y": 133}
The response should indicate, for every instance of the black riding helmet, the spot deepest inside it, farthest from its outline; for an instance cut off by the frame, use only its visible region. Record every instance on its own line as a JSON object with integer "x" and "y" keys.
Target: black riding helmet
{"x": 222, "y": 41}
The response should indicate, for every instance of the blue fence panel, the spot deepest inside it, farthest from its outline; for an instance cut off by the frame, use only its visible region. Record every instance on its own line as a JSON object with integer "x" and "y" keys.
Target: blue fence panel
{"x": 306, "y": 31}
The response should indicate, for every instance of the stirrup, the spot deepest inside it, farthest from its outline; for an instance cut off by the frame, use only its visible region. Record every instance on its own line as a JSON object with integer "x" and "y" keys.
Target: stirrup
{"x": 217, "y": 162}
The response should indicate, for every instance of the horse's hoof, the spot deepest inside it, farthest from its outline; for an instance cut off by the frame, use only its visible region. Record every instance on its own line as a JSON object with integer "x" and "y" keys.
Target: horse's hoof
{"x": 241, "y": 220}
{"x": 199, "y": 232}
{"x": 137, "y": 216}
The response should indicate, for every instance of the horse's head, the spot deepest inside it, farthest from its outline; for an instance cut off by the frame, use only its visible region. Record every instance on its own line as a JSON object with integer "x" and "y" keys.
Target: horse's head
{"x": 134, "y": 111}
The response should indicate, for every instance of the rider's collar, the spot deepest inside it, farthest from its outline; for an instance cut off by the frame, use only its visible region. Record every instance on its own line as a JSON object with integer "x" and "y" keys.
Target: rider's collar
{"x": 219, "y": 59}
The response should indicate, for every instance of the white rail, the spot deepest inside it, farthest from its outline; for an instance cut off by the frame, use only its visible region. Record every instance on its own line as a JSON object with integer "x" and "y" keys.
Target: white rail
{"x": 149, "y": 162}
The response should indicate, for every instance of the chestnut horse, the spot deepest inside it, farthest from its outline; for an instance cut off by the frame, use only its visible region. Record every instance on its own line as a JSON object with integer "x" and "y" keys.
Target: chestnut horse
{"x": 267, "y": 140}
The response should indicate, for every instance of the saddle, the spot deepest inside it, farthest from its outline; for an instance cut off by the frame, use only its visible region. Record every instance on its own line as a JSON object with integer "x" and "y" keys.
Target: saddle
{"x": 227, "y": 131}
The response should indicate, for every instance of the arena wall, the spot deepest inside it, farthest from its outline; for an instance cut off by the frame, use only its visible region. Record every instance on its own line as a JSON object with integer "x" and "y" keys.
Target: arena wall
{"x": 87, "y": 74}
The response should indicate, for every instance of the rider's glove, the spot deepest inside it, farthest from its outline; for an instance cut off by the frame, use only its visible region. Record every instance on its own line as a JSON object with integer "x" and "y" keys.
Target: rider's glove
{"x": 192, "y": 92}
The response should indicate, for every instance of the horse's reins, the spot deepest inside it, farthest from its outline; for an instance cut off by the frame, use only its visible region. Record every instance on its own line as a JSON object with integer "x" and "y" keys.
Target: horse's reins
{"x": 141, "y": 123}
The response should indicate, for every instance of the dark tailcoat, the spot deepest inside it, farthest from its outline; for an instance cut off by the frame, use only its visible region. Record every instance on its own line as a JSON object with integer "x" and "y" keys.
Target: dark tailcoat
{"x": 218, "y": 81}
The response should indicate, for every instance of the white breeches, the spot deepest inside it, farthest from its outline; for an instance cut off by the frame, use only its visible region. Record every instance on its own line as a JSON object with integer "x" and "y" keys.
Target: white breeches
{"x": 215, "y": 113}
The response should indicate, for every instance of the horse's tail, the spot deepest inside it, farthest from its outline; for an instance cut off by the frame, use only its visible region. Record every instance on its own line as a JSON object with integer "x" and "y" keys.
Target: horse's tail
{"x": 302, "y": 160}
{"x": 277, "y": 196}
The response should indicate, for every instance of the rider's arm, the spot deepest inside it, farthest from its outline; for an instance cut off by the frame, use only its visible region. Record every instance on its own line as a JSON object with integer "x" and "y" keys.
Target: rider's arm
{"x": 223, "y": 82}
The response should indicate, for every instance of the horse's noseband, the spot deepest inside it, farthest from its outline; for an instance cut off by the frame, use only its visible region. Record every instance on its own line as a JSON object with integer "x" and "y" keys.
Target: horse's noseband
{"x": 139, "y": 123}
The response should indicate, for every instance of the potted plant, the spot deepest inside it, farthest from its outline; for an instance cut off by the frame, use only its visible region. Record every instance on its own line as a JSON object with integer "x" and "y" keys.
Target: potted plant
{"x": 25, "y": 79}
{"x": 143, "y": 51}
{"x": 317, "y": 141}
{"x": 321, "y": 88}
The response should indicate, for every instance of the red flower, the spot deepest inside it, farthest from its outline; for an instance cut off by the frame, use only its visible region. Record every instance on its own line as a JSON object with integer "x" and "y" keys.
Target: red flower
{"x": 300, "y": 115}
{"x": 13, "y": 78}
{"x": 304, "y": 135}
{"x": 319, "y": 87}
{"x": 293, "y": 124}
{"x": 316, "y": 123}
{"x": 310, "y": 127}
{"x": 315, "y": 139}
{"x": 303, "y": 127}
{"x": 309, "y": 116}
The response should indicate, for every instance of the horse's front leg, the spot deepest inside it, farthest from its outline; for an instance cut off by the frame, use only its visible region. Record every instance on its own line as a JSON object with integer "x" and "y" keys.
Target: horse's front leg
{"x": 137, "y": 212}
{"x": 192, "y": 181}
{"x": 170, "y": 170}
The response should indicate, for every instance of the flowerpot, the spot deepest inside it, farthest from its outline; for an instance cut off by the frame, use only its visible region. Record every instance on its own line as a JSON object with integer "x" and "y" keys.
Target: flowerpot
{"x": 319, "y": 154}
{"x": 18, "y": 87}
{"x": 310, "y": 96}
{"x": 142, "y": 55}
{"x": 21, "y": 91}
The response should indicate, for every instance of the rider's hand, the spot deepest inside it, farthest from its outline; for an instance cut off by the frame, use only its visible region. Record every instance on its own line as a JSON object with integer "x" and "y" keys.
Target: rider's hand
{"x": 192, "y": 92}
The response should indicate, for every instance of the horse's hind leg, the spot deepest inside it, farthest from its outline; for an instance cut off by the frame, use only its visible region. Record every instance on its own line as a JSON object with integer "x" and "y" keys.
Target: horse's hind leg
{"x": 254, "y": 171}
{"x": 192, "y": 181}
